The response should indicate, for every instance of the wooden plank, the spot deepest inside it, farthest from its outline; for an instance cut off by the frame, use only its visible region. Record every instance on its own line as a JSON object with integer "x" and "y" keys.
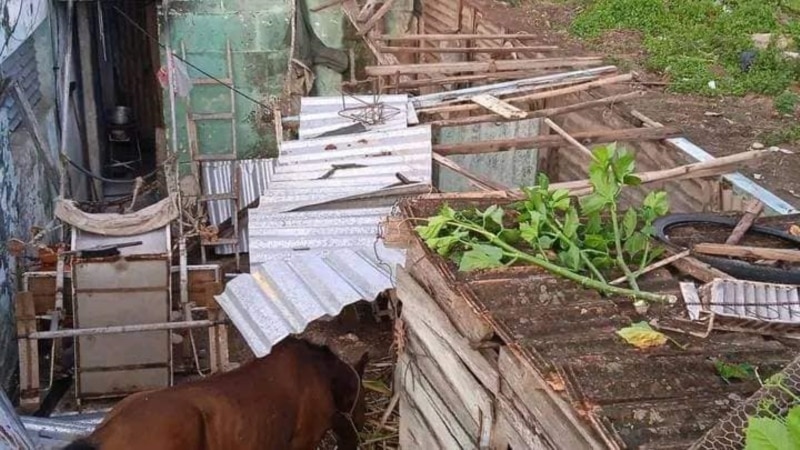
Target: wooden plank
{"x": 540, "y": 95}
{"x": 90, "y": 115}
{"x": 559, "y": 421}
{"x": 575, "y": 107}
{"x": 454, "y": 37}
{"x": 37, "y": 133}
{"x": 751, "y": 212}
{"x": 477, "y": 180}
{"x": 699, "y": 270}
{"x": 571, "y": 140}
{"x": 414, "y": 432}
{"x": 404, "y": 50}
{"x": 511, "y": 429}
{"x": 499, "y": 107}
{"x": 25, "y": 316}
{"x": 482, "y": 66}
{"x": 419, "y": 305}
{"x": 387, "y": 5}
{"x": 421, "y": 360}
{"x": 585, "y": 137}
{"x": 434, "y": 412}
{"x": 465, "y": 318}
{"x": 738, "y": 251}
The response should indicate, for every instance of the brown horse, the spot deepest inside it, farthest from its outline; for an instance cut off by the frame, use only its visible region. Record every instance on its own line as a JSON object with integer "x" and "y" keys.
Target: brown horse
{"x": 286, "y": 400}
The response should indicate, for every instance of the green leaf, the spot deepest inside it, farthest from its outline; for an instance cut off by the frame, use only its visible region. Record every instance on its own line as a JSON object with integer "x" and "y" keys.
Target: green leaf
{"x": 510, "y": 236}
{"x": 481, "y": 257}
{"x": 495, "y": 214}
{"x": 632, "y": 180}
{"x": 444, "y": 244}
{"x": 546, "y": 242}
{"x": 595, "y": 241}
{"x": 629, "y": 223}
{"x": 592, "y": 203}
{"x": 624, "y": 164}
{"x": 635, "y": 244}
{"x": 571, "y": 257}
{"x": 728, "y": 372}
{"x": 793, "y": 425}
{"x": 542, "y": 181}
{"x": 603, "y": 262}
{"x": 657, "y": 201}
{"x": 594, "y": 224}
{"x": 604, "y": 153}
{"x": 642, "y": 335}
{"x": 433, "y": 228}
{"x": 767, "y": 434}
{"x": 571, "y": 223}
{"x": 529, "y": 233}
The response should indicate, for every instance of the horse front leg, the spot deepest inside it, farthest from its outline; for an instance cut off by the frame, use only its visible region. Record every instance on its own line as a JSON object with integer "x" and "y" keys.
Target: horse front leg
{"x": 345, "y": 431}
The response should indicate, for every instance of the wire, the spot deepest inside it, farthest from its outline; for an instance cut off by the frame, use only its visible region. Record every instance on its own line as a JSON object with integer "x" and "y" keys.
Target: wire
{"x": 106, "y": 180}
{"x": 149, "y": 36}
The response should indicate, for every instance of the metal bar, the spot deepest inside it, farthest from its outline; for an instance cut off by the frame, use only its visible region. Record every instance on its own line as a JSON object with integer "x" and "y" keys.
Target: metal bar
{"x": 117, "y": 329}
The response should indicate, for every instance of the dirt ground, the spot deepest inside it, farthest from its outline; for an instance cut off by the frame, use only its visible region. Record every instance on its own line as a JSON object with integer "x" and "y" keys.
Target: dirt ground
{"x": 720, "y": 125}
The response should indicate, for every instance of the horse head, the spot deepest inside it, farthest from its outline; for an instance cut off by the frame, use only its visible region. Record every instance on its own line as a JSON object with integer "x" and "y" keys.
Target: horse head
{"x": 349, "y": 395}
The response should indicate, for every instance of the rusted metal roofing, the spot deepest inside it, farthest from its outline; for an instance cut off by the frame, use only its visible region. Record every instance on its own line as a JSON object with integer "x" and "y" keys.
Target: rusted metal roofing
{"x": 293, "y": 289}
{"x": 664, "y": 397}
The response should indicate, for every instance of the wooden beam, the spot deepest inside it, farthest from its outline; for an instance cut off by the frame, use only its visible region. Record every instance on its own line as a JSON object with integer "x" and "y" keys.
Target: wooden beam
{"x": 560, "y": 131}
{"x": 695, "y": 268}
{"x": 455, "y": 37}
{"x": 387, "y": 5}
{"x": 509, "y": 75}
{"x": 540, "y": 113}
{"x": 737, "y": 251}
{"x": 37, "y": 133}
{"x": 499, "y": 107}
{"x": 752, "y": 211}
{"x": 586, "y": 137}
{"x": 88, "y": 67}
{"x": 482, "y": 66}
{"x": 541, "y": 95}
{"x": 477, "y": 180}
{"x": 405, "y": 50}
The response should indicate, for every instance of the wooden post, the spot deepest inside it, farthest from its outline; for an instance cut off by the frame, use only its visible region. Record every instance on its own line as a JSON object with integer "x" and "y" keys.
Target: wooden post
{"x": 547, "y": 156}
{"x": 25, "y": 313}
{"x": 751, "y": 213}
{"x": 88, "y": 68}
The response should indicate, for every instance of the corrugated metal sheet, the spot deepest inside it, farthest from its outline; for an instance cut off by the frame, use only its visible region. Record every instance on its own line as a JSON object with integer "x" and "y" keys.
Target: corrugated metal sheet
{"x": 316, "y": 170}
{"x": 282, "y": 297}
{"x": 774, "y": 303}
{"x": 57, "y": 432}
{"x": 253, "y": 182}
{"x": 21, "y": 66}
{"x": 320, "y": 115}
{"x": 273, "y": 235}
{"x": 513, "y": 169}
{"x": 12, "y": 433}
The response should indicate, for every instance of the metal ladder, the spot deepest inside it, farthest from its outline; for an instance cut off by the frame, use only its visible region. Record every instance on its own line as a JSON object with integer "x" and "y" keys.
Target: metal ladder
{"x": 233, "y": 195}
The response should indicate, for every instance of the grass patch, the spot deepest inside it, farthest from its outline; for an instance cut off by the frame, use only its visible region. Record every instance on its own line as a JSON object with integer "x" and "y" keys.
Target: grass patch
{"x": 787, "y": 135}
{"x": 697, "y": 41}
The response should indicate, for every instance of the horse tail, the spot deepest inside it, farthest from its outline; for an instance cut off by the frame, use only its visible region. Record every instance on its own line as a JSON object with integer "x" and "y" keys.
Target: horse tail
{"x": 81, "y": 444}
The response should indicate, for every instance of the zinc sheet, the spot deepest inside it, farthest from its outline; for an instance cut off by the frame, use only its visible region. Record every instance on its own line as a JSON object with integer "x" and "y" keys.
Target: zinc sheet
{"x": 284, "y": 295}
{"x": 320, "y": 115}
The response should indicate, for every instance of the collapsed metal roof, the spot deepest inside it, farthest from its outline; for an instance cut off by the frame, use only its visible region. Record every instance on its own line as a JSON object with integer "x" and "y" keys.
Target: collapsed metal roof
{"x": 314, "y": 239}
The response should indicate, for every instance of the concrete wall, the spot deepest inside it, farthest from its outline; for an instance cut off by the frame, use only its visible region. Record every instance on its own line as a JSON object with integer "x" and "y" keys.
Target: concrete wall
{"x": 25, "y": 198}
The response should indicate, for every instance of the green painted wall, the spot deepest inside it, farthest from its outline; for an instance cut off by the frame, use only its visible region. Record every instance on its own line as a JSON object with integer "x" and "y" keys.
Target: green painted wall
{"x": 258, "y": 32}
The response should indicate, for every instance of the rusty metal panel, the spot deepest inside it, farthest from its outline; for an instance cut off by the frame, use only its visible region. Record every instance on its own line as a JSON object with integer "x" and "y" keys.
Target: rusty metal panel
{"x": 121, "y": 291}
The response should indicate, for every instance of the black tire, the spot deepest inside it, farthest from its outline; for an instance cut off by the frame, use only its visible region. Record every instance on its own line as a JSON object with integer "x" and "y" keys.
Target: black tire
{"x": 740, "y": 269}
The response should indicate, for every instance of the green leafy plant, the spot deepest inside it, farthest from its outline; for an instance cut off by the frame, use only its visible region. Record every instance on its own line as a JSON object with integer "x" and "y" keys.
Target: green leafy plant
{"x": 786, "y": 102}
{"x": 729, "y": 371}
{"x": 551, "y": 230}
{"x": 768, "y": 430}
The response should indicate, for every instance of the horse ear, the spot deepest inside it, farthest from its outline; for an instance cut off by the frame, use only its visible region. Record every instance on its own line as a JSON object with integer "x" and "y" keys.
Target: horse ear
{"x": 362, "y": 363}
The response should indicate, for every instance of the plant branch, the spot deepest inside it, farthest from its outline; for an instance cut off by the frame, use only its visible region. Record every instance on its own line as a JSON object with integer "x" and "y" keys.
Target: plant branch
{"x": 565, "y": 239}
{"x": 566, "y": 273}
{"x": 618, "y": 243}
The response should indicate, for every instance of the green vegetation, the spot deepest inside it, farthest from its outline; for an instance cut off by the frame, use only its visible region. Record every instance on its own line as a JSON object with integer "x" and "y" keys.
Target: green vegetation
{"x": 697, "y": 41}
{"x": 581, "y": 241}
{"x": 789, "y": 134}
{"x": 768, "y": 429}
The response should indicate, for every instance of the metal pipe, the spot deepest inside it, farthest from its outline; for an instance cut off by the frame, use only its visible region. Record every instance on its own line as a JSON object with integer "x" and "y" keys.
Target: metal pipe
{"x": 116, "y": 329}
